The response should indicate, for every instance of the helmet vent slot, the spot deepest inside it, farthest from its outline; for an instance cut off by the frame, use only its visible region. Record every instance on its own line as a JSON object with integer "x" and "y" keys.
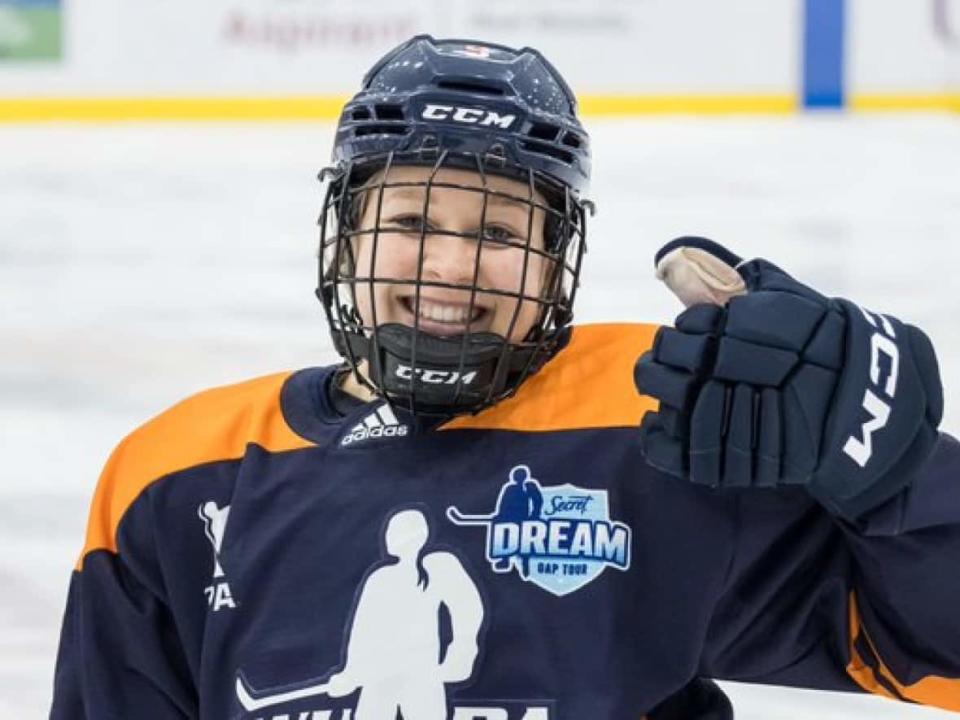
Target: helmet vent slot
{"x": 547, "y": 149}
{"x": 389, "y": 112}
{"x": 360, "y": 113}
{"x": 572, "y": 139}
{"x": 544, "y": 131}
{"x": 380, "y": 129}
{"x": 470, "y": 86}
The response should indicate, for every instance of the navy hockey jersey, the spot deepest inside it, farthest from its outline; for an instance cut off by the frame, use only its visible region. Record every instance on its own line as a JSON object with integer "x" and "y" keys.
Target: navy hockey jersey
{"x": 254, "y": 553}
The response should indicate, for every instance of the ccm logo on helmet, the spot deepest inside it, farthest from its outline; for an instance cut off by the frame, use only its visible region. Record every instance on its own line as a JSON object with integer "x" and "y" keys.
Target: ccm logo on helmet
{"x": 881, "y": 342}
{"x": 468, "y": 116}
{"x": 436, "y": 377}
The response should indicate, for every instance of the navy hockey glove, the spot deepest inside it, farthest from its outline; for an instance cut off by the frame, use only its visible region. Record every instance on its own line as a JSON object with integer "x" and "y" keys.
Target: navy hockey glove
{"x": 765, "y": 382}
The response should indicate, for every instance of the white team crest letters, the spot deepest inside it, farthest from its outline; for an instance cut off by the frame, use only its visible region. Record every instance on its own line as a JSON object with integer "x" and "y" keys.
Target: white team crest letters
{"x": 214, "y": 526}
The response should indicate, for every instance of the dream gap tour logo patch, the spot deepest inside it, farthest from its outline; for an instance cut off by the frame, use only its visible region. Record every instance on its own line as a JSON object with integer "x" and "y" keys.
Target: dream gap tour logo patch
{"x": 559, "y": 537}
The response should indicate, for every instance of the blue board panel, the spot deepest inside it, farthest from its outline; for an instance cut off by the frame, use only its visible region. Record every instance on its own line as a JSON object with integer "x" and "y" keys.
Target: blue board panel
{"x": 823, "y": 53}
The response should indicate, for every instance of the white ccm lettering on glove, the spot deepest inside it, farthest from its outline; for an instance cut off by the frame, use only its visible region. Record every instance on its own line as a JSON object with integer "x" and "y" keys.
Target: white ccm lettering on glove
{"x": 862, "y": 450}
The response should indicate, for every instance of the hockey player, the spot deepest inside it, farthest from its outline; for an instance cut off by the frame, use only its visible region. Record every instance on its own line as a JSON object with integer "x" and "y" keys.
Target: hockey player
{"x": 786, "y": 512}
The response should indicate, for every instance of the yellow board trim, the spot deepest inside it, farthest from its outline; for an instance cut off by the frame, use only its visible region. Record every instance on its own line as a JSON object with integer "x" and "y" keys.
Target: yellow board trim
{"x": 327, "y": 107}
{"x": 905, "y": 102}
{"x": 636, "y": 105}
{"x": 112, "y": 109}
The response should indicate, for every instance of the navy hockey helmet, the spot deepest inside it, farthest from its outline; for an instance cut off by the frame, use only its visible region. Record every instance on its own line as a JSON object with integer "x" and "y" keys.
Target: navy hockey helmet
{"x": 467, "y": 105}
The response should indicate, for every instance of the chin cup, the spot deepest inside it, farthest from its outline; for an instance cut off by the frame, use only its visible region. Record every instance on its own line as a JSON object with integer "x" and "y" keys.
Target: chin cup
{"x": 433, "y": 375}
{"x": 439, "y": 373}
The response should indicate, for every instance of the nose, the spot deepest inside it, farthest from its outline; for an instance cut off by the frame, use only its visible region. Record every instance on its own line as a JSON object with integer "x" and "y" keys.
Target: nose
{"x": 449, "y": 259}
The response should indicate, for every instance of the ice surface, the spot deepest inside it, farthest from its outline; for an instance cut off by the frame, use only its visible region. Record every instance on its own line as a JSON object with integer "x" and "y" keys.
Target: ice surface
{"x": 139, "y": 264}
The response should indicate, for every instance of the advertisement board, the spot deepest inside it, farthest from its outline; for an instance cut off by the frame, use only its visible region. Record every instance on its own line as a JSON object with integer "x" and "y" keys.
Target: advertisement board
{"x": 30, "y": 30}
{"x": 318, "y": 47}
{"x": 299, "y": 58}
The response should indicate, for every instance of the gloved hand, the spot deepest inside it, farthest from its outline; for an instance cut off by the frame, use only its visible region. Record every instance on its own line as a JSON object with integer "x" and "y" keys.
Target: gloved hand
{"x": 765, "y": 382}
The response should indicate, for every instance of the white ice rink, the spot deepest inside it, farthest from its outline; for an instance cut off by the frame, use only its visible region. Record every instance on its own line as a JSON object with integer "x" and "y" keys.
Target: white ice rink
{"x": 139, "y": 264}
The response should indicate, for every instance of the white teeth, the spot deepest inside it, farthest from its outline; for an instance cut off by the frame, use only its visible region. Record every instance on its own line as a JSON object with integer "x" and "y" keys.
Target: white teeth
{"x": 441, "y": 312}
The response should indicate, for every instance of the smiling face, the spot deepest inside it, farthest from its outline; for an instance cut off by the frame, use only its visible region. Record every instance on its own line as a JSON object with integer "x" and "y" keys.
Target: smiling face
{"x": 504, "y": 265}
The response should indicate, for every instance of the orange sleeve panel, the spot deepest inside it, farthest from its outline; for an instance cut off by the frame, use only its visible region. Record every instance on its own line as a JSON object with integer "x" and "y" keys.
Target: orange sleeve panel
{"x": 932, "y": 690}
{"x": 589, "y": 384}
{"x": 217, "y": 424}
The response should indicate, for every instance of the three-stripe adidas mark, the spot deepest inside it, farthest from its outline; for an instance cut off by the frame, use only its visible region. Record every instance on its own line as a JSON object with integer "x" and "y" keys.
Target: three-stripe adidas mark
{"x": 378, "y": 424}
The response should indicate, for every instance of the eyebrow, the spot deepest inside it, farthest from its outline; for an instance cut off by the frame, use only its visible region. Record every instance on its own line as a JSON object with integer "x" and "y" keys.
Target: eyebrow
{"x": 416, "y": 193}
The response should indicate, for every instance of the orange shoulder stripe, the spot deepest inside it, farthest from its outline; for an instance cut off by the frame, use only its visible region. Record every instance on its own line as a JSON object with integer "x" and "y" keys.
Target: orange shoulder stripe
{"x": 932, "y": 690}
{"x": 216, "y": 424}
{"x": 589, "y": 384}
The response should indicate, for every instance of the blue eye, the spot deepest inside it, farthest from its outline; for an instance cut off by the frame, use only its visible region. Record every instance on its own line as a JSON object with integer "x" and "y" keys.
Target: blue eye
{"x": 495, "y": 235}
{"x": 406, "y": 223}
{"x": 499, "y": 235}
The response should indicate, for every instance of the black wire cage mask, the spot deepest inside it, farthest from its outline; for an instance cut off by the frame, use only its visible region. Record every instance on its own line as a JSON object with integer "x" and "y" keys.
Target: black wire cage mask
{"x": 444, "y": 317}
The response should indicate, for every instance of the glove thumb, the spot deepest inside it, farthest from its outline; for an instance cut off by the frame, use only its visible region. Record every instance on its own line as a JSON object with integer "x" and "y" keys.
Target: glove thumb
{"x": 698, "y": 270}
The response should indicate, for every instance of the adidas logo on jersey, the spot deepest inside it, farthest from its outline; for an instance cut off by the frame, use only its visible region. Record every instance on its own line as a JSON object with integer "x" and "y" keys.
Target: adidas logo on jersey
{"x": 381, "y": 423}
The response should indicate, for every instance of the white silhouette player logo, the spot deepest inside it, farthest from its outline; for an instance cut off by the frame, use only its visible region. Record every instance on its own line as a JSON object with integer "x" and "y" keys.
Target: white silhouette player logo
{"x": 214, "y": 519}
{"x": 393, "y": 653}
{"x": 214, "y": 525}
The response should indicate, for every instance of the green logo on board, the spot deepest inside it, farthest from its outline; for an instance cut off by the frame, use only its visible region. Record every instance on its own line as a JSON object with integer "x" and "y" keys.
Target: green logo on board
{"x": 31, "y": 30}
